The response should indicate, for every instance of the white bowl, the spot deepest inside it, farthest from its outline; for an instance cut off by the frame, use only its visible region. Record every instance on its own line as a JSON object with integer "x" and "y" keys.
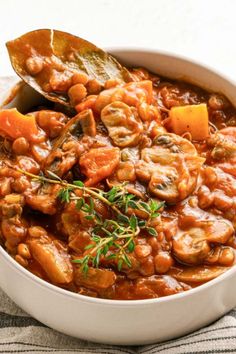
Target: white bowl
{"x": 128, "y": 322}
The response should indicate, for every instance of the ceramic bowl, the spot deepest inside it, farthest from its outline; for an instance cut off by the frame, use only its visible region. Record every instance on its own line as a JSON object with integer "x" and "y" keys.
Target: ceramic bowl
{"x": 126, "y": 322}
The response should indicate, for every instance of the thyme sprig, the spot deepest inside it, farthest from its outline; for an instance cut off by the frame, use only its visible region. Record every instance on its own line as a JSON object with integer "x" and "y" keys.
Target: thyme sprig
{"x": 110, "y": 239}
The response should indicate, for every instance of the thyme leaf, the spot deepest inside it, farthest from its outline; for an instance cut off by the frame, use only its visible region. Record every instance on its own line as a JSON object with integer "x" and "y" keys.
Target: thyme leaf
{"x": 111, "y": 240}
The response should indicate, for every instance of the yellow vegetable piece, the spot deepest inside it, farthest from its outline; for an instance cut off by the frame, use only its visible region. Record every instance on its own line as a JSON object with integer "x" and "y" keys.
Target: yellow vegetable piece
{"x": 192, "y": 119}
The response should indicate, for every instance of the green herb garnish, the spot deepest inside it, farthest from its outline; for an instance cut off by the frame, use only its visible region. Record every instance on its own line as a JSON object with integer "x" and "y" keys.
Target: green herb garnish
{"x": 111, "y": 239}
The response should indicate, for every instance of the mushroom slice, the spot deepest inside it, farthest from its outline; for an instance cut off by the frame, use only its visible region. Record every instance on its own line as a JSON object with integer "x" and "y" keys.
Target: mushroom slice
{"x": 163, "y": 184}
{"x": 191, "y": 247}
{"x": 219, "y": 231}
{"x": 200, "y": 274}
{"x": 123, "y": 124}
{"x": 171, "y": 167}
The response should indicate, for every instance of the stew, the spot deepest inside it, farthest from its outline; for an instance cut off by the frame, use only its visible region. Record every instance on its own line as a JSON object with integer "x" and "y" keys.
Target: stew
{"x": 126, "y": 189}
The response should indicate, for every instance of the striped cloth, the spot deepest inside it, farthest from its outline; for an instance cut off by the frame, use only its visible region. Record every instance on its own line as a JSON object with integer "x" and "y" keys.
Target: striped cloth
{"x": 20, "y": 333}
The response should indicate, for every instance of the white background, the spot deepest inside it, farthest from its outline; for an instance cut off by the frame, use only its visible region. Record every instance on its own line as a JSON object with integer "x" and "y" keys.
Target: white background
{"x": 200, "y": 29}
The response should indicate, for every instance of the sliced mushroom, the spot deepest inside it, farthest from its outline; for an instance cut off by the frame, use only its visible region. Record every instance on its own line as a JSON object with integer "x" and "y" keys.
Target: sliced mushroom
{"x": 163, "y": 184}
{"x": 199, "y": 274}
{"x": 123, "y": 124}
{"x": 191, "y": 247}
{"x": 171, "y": 167}
{"x": 218, "y": 231}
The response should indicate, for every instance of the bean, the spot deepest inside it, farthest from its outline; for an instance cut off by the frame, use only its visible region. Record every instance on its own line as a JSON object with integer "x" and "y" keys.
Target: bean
{"x": 20, "y": 146}
{"x": 60, "y": 82}
{"x": 154, "y": 244}
{"x": 227, "y": 257}
{"x": 210, "y": 176}
{"x": 112, "y": 83}
{"x": 93, "y": 87}
{"x": 80, "y": 78}
{"x": 20, "y": 184}
{"x": 34, "y": 65}
{"x": 147, "y": 266}
{"x": 22, "y": 261}
{"x": 143, "y": 250}
{"x": 163, "y": 261}
{"x": 222, "y": 201}
{"x": 77, "y": 93}
{"x": 23, "y": 251}
{"x": 205, "y": 197}
{"x": 36, "y": 231}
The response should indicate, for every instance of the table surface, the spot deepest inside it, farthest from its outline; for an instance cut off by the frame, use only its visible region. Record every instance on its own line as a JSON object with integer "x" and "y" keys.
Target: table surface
{"x": 202, "y": 29}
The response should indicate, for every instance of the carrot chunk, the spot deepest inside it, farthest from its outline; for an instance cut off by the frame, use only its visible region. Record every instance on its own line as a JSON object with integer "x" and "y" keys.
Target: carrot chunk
{"x": 14, "y": 125}
{"x": 98, "y": 164}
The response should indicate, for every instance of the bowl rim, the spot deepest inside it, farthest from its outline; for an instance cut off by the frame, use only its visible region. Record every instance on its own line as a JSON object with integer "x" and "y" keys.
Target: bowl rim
{"x": 116, "y": 50}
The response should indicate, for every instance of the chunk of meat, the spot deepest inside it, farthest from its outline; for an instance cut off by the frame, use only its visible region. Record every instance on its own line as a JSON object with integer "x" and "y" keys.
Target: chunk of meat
{"x": 11, "y": 205}
{"x": 160, "y": 285}
{"x": 223, "y": 153}
{"x": 53, "y": 258}
{"x": 148, "y": 287}
{"x": 44, "y": 203}
{"x": 173, "y": 95}
{"x": 95, "y": 278}
{"x": 123, "y": 124}
{"x": 79, "y": 240}
{"x": 171, "y": 167}
{"x": 99, "y": 163}
{"x": 45, "y": 200}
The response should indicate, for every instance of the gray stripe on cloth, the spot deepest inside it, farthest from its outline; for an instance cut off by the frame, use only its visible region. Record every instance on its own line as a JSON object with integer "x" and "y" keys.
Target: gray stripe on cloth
{"x": 7, "y": 320}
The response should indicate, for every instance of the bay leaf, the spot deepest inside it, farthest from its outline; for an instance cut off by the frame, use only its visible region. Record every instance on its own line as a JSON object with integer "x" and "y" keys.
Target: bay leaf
{"x": 61, "y": 54}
